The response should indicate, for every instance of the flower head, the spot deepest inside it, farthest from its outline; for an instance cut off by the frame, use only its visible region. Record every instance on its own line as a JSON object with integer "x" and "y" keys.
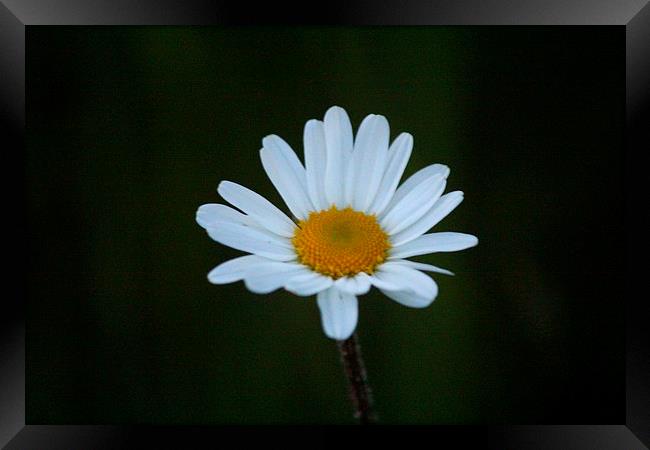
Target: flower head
{"x": 353, "y": 226}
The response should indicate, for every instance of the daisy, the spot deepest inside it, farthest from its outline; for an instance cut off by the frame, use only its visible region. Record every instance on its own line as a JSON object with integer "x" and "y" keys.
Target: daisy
{"x": 352, "y": 226}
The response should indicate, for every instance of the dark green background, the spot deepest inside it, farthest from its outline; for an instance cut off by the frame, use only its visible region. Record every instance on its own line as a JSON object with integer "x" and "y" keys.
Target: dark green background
{"x": 130, "y": 129}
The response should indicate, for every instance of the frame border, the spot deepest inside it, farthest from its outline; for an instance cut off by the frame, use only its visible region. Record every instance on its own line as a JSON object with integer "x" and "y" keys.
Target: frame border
{"x": 15, "y": 15}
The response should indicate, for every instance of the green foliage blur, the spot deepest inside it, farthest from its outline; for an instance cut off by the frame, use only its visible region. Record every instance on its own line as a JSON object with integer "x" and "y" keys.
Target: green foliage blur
{"x": 130, "y": 129}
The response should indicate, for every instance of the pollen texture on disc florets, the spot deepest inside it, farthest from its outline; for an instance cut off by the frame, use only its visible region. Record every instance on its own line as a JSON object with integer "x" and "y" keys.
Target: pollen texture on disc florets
{"x": 341, "y": 242}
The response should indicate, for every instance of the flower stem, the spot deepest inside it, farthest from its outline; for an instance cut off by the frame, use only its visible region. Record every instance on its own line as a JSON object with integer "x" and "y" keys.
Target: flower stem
{"x": 355, "y": 372}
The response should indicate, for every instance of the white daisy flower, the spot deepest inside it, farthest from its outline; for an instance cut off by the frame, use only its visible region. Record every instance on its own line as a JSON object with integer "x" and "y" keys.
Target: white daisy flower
{"x": 353, "y": 227}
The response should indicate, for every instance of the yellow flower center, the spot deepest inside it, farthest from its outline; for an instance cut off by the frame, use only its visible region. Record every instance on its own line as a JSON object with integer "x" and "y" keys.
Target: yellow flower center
{"x": 340, "y": 242}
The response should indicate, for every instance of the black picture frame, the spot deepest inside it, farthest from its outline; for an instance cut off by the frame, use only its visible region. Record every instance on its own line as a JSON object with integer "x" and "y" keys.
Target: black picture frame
{"x": 17, "y": 15}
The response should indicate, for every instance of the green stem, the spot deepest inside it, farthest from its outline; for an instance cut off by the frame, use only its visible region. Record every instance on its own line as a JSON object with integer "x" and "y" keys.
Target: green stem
{"x": 355, "y": 371}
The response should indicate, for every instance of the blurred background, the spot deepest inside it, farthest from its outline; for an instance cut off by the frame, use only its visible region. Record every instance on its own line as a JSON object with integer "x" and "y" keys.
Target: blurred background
{"x": 130, "y": 129}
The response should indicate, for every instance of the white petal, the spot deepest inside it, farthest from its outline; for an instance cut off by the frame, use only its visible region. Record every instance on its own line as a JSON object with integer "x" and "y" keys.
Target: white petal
{"x": 368, "y": 162}
{"x": 441, "y": 208}
{"x": 234, "y": 269}
{"x": 405, "y": 285}
{"x": 416, "y": 179}
{"x": 434, "y": 242}
{"x": 308, "y": 284}
{"x": 253, "y": 241}
{"x": 339, "y": 313}
{"x": 338, "y": 139}
{"x": 398, "y": 157}
{"x": 381, "y": 281}
{"x": 399, "y": 277}
{"x": 357, "y": 285}
{"x": 213, "y": 214}
{"x": 287, "y": 175}
{"x": 315, "y": 163}
{"x": 421, "y": 266}
{"x": 410, "y": 298}
{"x": 270, "y": 276}
{"x": 210, "y": 214}
{"x": 257, "y": 207}
{"x": 413, "y": 205}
